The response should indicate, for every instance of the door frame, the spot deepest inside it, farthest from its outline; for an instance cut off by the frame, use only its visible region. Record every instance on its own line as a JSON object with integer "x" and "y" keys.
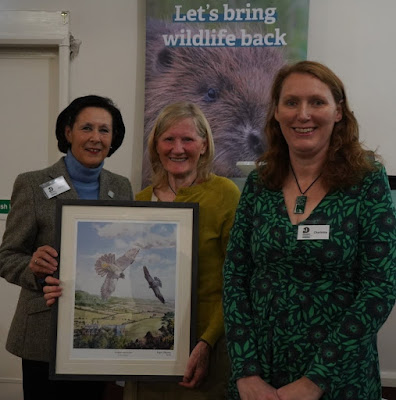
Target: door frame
{"x": 40, "y": 28}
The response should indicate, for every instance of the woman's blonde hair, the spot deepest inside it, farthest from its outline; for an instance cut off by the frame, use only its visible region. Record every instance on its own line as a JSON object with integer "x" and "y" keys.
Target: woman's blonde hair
{"x": 347, "y": 161}
{"x": 169, "y": 116}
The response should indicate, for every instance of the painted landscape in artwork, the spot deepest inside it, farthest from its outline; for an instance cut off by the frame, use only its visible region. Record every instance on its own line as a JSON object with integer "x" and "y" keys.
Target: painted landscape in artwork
{"x": 122, "y": 323}
{"x": 125, "y": 285}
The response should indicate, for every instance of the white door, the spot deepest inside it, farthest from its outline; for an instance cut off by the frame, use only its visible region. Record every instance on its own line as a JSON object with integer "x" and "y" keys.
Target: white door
{"x": 29, "y": 106}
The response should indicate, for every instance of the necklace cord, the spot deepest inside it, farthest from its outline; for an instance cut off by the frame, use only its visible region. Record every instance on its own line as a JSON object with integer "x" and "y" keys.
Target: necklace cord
{"x": 171, "y": 188}
{"x": 298, "y": 185}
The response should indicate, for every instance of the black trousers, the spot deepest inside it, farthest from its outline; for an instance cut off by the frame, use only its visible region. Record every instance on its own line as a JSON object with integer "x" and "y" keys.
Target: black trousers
{"x": 37, "y": 386}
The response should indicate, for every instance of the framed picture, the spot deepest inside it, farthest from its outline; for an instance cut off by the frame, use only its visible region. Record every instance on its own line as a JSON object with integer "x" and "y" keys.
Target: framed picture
{"x": 128, "y": 272}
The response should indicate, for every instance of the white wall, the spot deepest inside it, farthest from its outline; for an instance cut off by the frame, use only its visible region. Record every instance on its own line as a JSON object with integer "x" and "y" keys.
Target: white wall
{"x": 356, "y": 39}
{"x": 352, "y": 36}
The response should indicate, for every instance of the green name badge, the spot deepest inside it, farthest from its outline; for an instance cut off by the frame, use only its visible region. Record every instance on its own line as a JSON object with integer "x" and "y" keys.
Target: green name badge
{"x": 5, "y": 206}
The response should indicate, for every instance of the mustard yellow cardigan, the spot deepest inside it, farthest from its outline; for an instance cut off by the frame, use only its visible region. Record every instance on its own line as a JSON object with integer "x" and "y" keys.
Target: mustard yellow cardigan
{"x": 218, "y": 198}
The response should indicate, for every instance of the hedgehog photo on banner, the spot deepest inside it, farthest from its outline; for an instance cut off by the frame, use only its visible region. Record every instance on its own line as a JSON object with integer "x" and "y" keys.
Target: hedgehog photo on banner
{"x": 222, "y": 56}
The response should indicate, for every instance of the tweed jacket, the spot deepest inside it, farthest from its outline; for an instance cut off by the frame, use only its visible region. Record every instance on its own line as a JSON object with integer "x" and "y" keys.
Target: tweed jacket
{"x": 31, "y": 224}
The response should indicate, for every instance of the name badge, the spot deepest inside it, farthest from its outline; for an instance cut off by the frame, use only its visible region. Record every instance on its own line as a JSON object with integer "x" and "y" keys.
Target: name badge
{"x": 55, "y": 187}
{"x": 313, "y": 232}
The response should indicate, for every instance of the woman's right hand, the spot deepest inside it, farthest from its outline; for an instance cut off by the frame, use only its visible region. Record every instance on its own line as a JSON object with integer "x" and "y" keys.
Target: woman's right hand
{"x": 52, "y": 290}
{"x": 43, "y": 261}
{"x": 254, "y": 388}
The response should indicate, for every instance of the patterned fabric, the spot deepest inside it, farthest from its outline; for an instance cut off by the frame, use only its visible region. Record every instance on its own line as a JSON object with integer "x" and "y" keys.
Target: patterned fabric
{"x": 311, "y": 308}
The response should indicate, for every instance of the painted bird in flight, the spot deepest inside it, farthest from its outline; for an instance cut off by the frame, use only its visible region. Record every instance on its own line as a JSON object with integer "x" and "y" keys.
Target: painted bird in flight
{"x": 154, "y": 283}
{"x": 113, "y": 269}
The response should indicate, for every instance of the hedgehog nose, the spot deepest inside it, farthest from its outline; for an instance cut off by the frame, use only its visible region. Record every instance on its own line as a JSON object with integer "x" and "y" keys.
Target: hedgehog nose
{"x": 255, "y": 143}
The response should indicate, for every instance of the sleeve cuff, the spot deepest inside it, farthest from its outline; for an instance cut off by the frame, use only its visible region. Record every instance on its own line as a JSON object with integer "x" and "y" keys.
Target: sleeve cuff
{"x": 203, "y": 340}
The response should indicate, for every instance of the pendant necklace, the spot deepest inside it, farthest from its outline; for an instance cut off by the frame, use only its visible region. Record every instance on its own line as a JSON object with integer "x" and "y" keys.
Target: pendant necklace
{"x": 299, "y": 207}
{"x": 171, "y": 188}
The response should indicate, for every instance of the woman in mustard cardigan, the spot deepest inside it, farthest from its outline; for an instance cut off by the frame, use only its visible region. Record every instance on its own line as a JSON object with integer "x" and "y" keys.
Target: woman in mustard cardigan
{"x": 181, "y": 152}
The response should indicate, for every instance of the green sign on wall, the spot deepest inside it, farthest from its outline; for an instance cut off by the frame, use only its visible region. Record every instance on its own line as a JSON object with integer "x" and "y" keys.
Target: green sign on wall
{"x": 5, "y": 206}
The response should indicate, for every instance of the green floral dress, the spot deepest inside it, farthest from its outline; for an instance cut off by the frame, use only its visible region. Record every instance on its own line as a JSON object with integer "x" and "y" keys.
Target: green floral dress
{"x": 311, "y": 308}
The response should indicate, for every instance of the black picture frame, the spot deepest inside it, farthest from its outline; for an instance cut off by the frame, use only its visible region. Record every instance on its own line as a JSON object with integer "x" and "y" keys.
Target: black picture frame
{"x": 392, "y": 181}
{"x": 106, "y": 333}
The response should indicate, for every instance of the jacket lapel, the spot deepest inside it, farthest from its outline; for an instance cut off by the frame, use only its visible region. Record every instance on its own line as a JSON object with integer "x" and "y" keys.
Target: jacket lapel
{"x": 105, "y": 192}
{"x": 59, "y": 169}
{"x": 106, "y": 186}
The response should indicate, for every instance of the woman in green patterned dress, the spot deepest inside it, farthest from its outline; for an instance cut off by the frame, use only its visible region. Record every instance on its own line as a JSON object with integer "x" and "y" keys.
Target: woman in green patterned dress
{"x": 309, "y": 277}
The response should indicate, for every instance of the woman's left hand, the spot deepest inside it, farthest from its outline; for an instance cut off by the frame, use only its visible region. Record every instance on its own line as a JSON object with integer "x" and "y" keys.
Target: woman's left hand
{"x": 197, "y": 366}
{"x": 52, "y": 290}
{"x": 301, "y": 389}
{"x": 43, "y": 261}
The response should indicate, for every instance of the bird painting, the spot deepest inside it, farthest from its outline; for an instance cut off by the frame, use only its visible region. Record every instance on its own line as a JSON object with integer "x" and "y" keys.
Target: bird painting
{"x": 154, "y": 283}
{"x": 113, "y": 269}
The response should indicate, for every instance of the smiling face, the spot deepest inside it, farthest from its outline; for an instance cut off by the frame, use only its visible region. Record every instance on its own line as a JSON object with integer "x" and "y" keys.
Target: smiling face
{"x": 90, "y": 136}
{"x": 179, "y": 149}
{"x": 306, "y": 113}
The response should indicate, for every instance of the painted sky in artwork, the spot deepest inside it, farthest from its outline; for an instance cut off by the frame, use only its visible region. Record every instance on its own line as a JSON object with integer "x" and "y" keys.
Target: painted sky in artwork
{"x": 157, "y": 243}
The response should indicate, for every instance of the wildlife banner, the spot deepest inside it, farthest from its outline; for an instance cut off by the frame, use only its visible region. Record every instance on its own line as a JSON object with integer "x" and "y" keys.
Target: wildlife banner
{"x": 221, "y": 55}
{"x": 127, "y": 303}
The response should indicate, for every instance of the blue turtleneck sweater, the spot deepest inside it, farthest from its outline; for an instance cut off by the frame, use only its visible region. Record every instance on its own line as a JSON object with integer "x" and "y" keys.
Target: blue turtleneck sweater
{"x": 85, "y": 180}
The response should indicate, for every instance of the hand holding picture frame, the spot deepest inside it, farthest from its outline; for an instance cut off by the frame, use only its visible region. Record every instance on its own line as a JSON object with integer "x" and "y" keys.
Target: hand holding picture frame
{"x": 128, "y": 272}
